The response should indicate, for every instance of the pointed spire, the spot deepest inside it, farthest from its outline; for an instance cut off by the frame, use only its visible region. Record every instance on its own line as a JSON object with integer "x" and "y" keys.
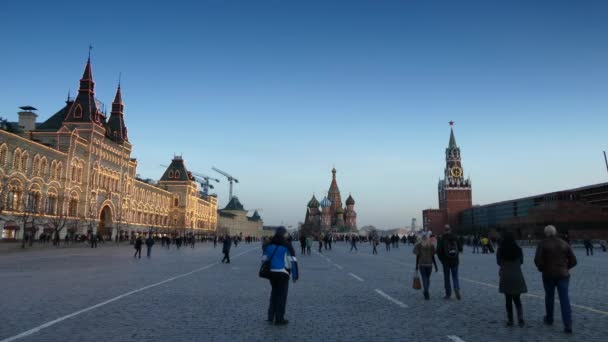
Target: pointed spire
{"x": 86, "y": 82}
{"x": 117, "y": 98}
{"x": 116, "y": 124}
{"x": 452, "y": 143}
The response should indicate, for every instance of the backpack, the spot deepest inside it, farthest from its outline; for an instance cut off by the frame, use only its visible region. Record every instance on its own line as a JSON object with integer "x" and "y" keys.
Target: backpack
{"x": 451, "y": 249}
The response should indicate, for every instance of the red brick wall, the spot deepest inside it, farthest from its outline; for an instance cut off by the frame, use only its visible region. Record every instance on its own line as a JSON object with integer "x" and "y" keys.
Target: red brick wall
{"x": 434, "y": 220}
{"x": 457, "y": 201}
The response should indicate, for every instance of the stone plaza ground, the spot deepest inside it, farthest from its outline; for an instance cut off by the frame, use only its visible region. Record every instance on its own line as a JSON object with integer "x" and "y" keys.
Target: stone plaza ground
{"x": 104, "y": 294}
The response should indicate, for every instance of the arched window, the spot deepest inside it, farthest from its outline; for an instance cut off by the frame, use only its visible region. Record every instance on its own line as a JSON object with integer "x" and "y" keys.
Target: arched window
{"x": 73, "y": 206}
{"x": 59, "y": 171}
{"x": 177, "y": 174}
{"x": 33, "y": 201}
{"x": 78, "y": 112}
{"x": 35, "y": 165}
{"x": 14, "y": 196}
{"x": 17, "y": 159}
{"x": 170, "y": 173}
{"x": 24, "y": 160}
{"x": 176, "y": 202}
{"x": 43, "y": 167}
{"x": 3, "y": 155}
{"x": 51, "y": 203}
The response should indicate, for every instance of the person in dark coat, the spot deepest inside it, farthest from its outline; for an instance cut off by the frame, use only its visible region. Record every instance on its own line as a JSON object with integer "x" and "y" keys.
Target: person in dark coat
{"x": 283, "y": 263}
{"x": 149, "y": 244}
{"x": 448, "y": 251}
{"x": 138, "y": 243}
{"x": 512, "y": 283}
{"x": 554, "y": 258}
{"x": 226, "y": 249}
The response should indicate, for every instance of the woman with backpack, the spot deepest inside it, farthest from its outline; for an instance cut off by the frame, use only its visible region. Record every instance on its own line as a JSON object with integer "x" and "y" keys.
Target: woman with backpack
{"x": 512, "y": 283}
{"x": 283, "y": 263}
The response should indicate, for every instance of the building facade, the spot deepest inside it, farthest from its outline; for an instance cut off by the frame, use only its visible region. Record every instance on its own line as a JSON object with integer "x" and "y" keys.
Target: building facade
{"x": 74, "y": 174}
{"x": 580, "y": 213}
{"x": 233, "y": 220}
{"x": 329, "y": 215}
{"x": 454, "y": 191}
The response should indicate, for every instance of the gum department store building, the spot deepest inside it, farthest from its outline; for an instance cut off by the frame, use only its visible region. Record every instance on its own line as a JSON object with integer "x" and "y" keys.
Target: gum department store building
{"x": 74, "y": 174}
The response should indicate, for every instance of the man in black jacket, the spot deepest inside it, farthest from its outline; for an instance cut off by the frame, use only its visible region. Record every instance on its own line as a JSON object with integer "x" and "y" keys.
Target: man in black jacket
{"x": 226, "y": 248}
{"x": 448, "y": 251}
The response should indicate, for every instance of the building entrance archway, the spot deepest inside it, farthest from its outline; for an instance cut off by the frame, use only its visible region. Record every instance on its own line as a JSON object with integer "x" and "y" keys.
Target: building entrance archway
{"x": 105, "y": 223}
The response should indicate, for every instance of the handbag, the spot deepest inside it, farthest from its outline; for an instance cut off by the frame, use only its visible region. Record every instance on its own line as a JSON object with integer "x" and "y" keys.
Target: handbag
{"x": 265, "y": 268}
{"x": 416, "y": 284}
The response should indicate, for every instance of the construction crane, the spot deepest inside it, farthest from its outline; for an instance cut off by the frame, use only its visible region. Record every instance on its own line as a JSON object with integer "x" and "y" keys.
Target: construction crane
{"x": 230, "y": 180}
{"x": 202, "y": 179}
{"x": 205, "y": 181}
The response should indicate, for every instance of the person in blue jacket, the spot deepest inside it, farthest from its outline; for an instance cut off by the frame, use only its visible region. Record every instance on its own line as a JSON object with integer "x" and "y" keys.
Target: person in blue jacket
{"x": 283, "y": 263}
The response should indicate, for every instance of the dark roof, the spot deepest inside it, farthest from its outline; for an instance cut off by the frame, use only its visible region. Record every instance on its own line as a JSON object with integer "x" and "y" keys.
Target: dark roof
{"x": 234, "y": 204}
{"x": 313, "y": 203}
{"x": 176, "y": 171}
{"x": 225, "y": 214}
{"x": 350, "y": 200}
{"x": 28, "y": 108}
{"x": 255, "y": 217}
{"x": 55, "y": 122}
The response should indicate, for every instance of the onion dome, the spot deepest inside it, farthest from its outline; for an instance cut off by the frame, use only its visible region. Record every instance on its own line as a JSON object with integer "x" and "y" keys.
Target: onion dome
{"x": 313, "y": 203}
{"x": 350, "y": 200}
{"x": 339, "y": 210}
{"x": 325, "y": 203}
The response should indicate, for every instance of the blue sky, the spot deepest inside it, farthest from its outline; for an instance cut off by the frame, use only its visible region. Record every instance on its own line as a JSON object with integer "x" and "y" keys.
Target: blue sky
{"x": 278, "y": 92}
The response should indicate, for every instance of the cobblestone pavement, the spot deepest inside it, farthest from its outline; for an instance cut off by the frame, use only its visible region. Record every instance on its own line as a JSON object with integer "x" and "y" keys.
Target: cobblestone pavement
{"x": 187, "y": 295}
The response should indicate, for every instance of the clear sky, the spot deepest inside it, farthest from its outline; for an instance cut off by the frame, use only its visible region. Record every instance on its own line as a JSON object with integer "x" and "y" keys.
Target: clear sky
{"x": 278, "y": 92}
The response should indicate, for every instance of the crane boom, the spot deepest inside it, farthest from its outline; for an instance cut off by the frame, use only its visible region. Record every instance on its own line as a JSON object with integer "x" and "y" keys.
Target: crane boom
{"x": 200, "y": 175}
{"x": 230, "y": 180}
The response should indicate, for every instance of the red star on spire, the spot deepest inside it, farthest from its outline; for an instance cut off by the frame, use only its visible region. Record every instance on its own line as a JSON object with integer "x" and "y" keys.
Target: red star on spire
{"x": 451, "y": 123}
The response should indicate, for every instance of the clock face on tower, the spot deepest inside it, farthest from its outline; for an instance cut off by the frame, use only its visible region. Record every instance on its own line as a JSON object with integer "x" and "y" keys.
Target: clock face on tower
{"x": 456, "y": 171}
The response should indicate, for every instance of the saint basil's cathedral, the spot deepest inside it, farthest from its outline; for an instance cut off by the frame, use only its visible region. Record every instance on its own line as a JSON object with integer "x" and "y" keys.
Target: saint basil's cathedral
{"x": 329, "y": 215}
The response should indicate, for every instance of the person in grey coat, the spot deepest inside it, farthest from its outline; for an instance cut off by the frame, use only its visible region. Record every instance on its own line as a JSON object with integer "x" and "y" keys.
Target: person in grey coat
{"x": 512, "y": 283}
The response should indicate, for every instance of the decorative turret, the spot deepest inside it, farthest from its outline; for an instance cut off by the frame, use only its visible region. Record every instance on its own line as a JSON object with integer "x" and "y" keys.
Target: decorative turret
{"x": 350, "y": 200}
{"x": 84, "y": 108}
{"x": 116, "y": 129}
{"x": 325, "y": 203}
{"x": 313, "y": 203}
{"x": 334, "y": 193}
{"x": 325, "y": 214}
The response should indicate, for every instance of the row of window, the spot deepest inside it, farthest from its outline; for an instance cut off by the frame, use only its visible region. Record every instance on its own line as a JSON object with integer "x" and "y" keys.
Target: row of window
{"x": 32, "y": 203}
{"x": 20, "y": 163}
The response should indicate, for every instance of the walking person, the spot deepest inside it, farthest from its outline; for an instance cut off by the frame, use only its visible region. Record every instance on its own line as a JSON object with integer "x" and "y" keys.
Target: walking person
{"x": 283, "y": 263}
{"x": 448, "y": 251}
{"x": 226, "y": 249}
{"x": 554, "y": 258}
{"x": 425, "y": 260}
{"x": 588, "y": 246}
{"x": 149, "y": 244}
{"x": 320, "y": 244}
{"x": 511, "y": 283}
{"x": 308, "y": 244}
{"x": 138, "y": 243}
{"x": 303, "y": 244}
{"x": 353, "y": 244}
{"x": 375, "y": 244}
{"x": 476, "y": 245}
{"x": 387, "y": 241}
{"x": 214, "y": 241}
